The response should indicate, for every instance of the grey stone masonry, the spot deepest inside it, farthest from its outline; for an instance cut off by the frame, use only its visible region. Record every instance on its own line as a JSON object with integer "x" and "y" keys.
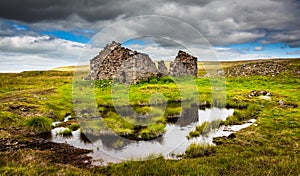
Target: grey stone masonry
{"x": 162, "y": 69}
{"x": 117, "y": 62}
{"x": 184, "y": 64}
{"x": 105, "y": 64}
{"x": 136, "y": 68}
{"x": 127, "y": 66}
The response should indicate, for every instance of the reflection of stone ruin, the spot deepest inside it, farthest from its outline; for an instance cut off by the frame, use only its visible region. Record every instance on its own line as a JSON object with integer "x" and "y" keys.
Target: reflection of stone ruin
{"x": 188, "y": 116}
{"x": 127, "y": 66}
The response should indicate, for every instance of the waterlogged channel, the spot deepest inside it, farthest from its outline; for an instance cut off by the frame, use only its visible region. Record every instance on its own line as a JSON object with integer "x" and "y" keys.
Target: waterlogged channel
{"x": 112, "y": 148}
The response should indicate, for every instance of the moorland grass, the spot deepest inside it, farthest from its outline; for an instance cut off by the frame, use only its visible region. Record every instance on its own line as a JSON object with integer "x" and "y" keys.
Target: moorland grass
{"x": 270, "y": 148}
{"x": 199, "y": 150}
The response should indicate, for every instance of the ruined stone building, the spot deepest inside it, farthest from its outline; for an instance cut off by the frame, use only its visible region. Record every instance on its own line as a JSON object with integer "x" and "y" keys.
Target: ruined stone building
{"x": 183, "y": 65}
{"x": 127, "y": 66}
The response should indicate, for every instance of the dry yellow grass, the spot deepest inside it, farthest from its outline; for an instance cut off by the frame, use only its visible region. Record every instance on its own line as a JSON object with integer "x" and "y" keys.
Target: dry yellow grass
{"x": 71, "y": 68}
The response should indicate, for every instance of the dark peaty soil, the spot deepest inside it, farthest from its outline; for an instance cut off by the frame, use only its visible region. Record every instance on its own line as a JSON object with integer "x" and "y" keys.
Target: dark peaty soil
{"x": 58, "y": 153}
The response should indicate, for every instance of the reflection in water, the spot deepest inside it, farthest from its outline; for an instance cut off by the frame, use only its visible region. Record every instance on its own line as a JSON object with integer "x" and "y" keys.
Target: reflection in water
{"x": 189, "y": 115}
{"x": 113, "y": 148}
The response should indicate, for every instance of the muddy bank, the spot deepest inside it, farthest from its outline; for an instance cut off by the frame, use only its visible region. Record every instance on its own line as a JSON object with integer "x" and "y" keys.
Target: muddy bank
{"x": 56, "y": 152}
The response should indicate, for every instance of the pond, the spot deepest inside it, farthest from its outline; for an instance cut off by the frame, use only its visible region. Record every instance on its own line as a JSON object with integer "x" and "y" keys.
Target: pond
{"x": 109, "y": 147}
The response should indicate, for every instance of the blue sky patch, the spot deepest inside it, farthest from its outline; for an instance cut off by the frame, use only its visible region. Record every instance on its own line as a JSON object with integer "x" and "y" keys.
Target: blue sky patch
{"x": 16, "y": 26}
{"x": 279, "y": 49}
{"x": 67, "y": 36}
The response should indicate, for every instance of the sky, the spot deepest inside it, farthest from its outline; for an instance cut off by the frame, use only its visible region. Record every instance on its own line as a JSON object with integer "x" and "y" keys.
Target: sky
{"x": 38, "y": 35}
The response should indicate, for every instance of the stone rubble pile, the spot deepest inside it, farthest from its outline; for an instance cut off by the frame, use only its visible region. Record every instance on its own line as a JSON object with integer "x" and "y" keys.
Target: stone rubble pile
{"x": 256, "y": 93}
{"x": 266, "y": 68}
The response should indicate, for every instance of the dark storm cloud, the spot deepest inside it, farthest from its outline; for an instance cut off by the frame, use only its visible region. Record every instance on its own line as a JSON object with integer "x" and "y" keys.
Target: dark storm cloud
{"x": 90, "y": 10}
{"x": 34, "y": 11}
{"x": 221, "y": 22}
{"x": 291, "y": 37}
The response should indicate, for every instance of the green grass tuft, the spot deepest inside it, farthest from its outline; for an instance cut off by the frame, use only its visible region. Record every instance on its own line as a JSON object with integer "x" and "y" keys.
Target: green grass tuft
{"x": 199, "y": 150}
{"x": 74, "y": 127}
{"x": 241, "y": 115}
{"x": 65, "y": 133}
{"x": 204, "y": 128}
{"x": 39, "y": 124}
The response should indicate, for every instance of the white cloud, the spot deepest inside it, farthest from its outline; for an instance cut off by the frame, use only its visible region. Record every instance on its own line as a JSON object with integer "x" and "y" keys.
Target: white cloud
{"x": 39, "y": 45}
{"x": 231, "y": 54}
{"x": 21, "y": 62}
{"x": 20, "y": 53}
{"x": 203, "y": 54}
{"x": 156, "y": 52}
{"x": 258, "y": 48}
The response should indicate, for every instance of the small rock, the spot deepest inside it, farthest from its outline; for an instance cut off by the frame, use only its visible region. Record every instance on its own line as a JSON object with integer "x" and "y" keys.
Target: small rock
{"x": 231, "y": 136}
{"x": 221, "y": 72}
{"x": 207, "y": 75}
{"x": 204, "y": 103}
{"x": 280, "y": 102}
{"x": 264, "y": 97}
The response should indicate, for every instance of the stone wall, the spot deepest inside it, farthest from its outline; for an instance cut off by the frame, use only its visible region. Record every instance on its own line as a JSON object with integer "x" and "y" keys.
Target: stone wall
{"x": 127, "y": 66}
{"x": 184, "y": 64}
{"x": 162, "y": 69}
{"x": 136, "y": 68}
{"x": 106, "y": 63}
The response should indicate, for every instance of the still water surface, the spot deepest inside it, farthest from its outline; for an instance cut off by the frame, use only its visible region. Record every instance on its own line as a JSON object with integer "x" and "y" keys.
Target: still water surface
{"x": 112, "y": 148}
